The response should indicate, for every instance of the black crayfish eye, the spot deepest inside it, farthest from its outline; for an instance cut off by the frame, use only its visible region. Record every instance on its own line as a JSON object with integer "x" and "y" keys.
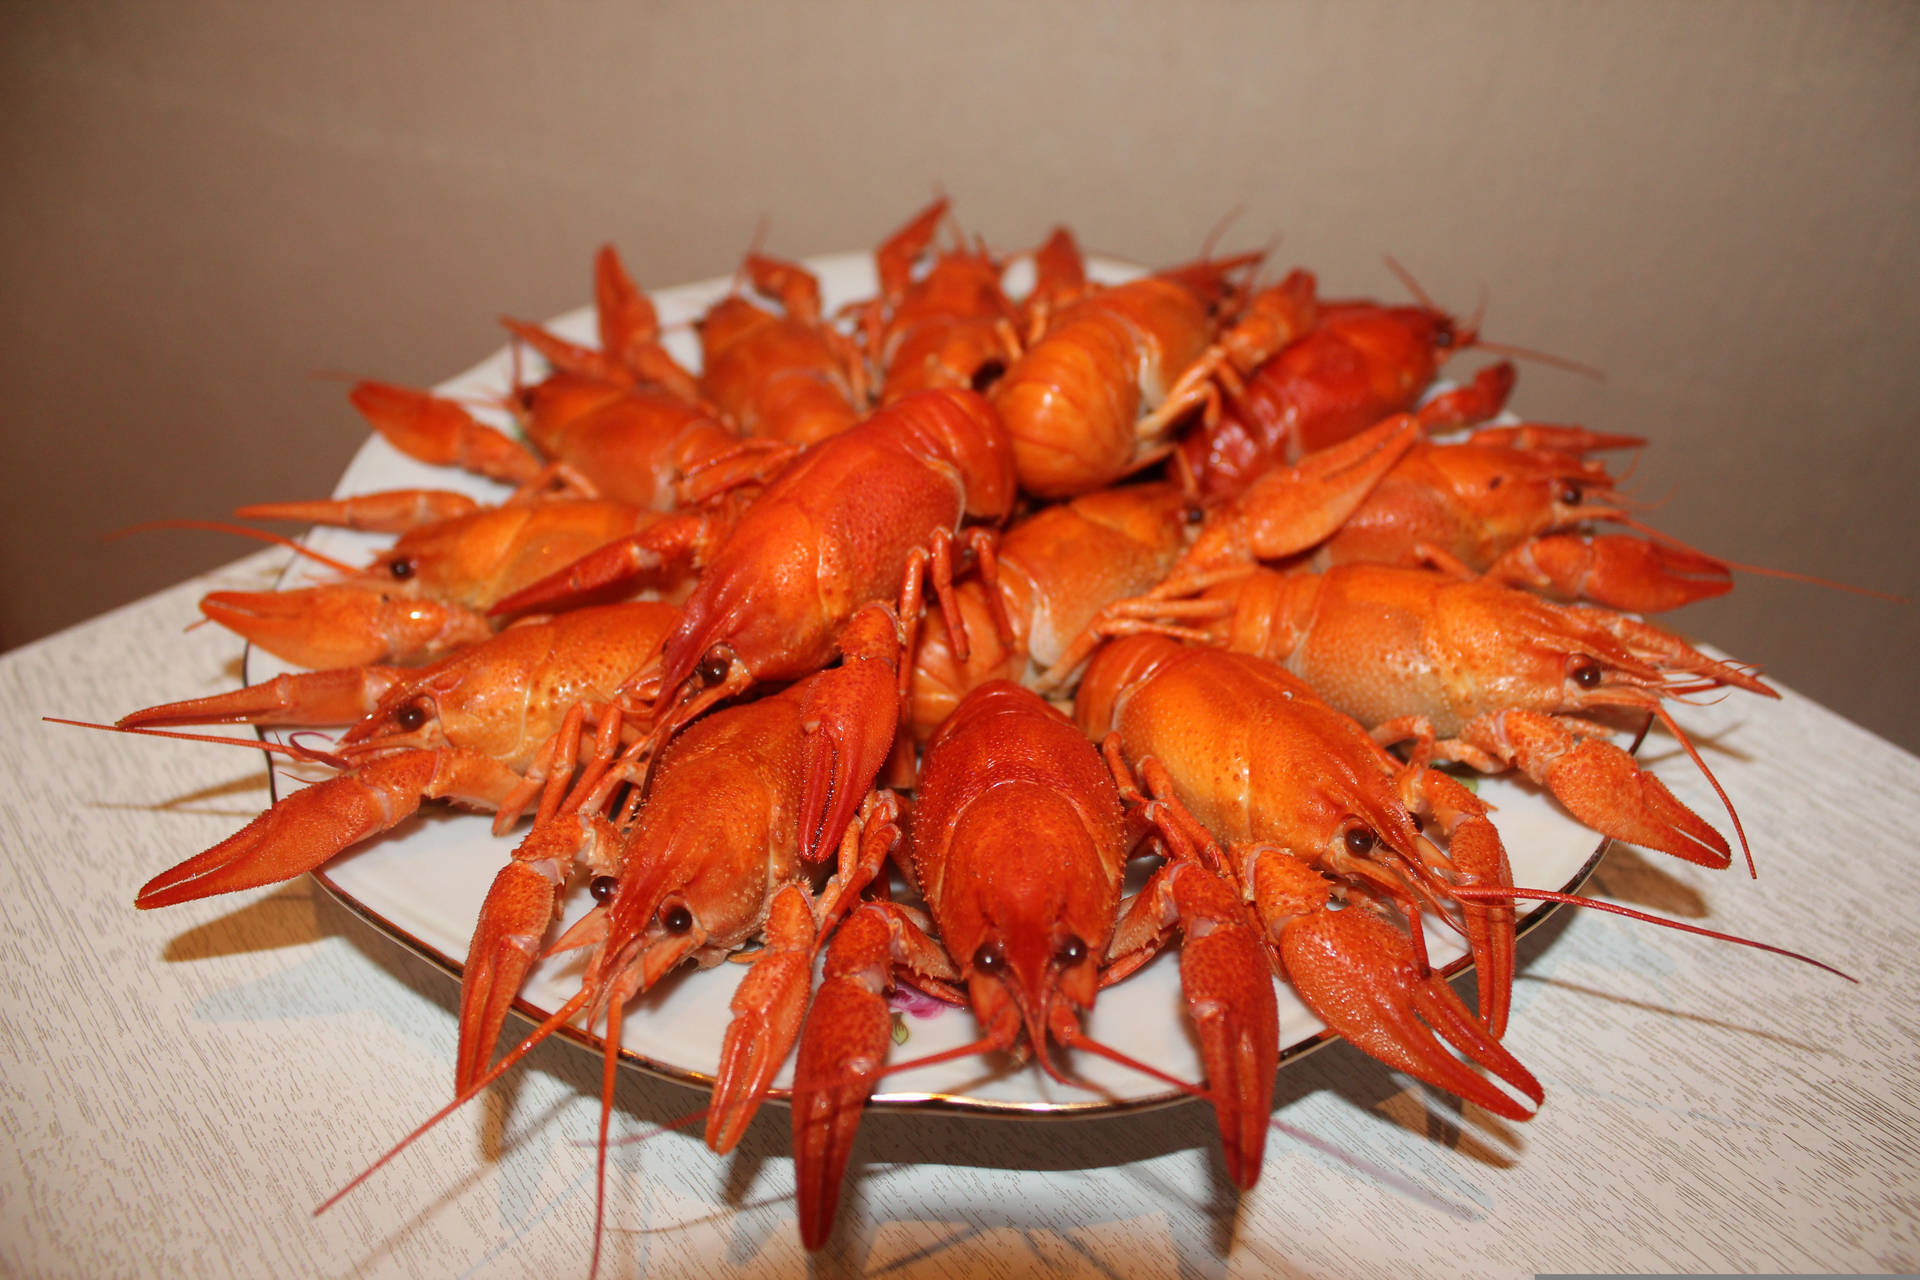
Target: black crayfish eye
{"x": 1569, "y": 496}
{"x": 602, "y": 888}
{"x": 675, "y": 918}
{"x": 1071, "y": 951}
{"x": 1584, "y": 671}
{"x": 990, "y": 958}
{"x": 411, "y": 716}
{"x": 401, "y": 569}
{"x": 1360, "y": 841}
{"x": 714, "y": 665}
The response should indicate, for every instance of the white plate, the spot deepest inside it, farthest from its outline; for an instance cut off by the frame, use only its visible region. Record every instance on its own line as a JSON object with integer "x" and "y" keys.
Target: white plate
{"x": 423, "y": 883}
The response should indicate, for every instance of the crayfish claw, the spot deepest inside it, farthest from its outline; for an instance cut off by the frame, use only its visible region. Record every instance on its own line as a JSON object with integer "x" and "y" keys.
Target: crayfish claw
{"x": 441, "y": 432}
{"x": 768, "y": 1008}
{"x": 1602, "y": 786}
{"x": 1358, "y": 973}
{"x": 848, "y": 1032}
{"x": 518, "y": 910}
{"x": 343, "y": 625}
{"x": 312, "y": 825}
{"x": 1228, "y": 987}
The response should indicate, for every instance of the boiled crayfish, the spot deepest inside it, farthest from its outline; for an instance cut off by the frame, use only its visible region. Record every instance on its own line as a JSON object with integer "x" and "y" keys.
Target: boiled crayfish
{"x": 722, "y": 773}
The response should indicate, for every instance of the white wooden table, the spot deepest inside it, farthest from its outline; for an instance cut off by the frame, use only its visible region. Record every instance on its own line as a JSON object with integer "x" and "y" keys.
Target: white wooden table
{"x": 180, "y": 1088}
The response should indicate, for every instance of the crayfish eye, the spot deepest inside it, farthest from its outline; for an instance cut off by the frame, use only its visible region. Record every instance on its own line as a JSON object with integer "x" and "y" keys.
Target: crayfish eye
{"x": 714, "y": 665}
{"x": 602, "y": 888}
{"x": 1360, "y": 841}
{"x": 1584, "y": 671}
{"x": 1569, "y": 496}
{"x": 675, "y": 918}
{"x": 1443, "y": 335}
{"x": 1071, "y": 951}
{"x": 1193, "y": 515}
{"x": 990, "y": 958}
{"x": 401, "y": 569}
{"x": 410, "y": 717}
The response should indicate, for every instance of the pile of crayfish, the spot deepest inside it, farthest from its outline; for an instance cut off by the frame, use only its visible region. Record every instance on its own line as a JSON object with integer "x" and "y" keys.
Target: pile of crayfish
{"x": 998, "y": 595}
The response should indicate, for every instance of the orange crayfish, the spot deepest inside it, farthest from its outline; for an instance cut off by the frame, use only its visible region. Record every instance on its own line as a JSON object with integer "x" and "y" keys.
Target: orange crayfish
{"x": 426, "y": 594}
{"x": 953, "y": 327}
{"x": 722, "y": 851}
{"x": 469, "y": 729}
{"x": 742, "y": 802}
{"x": 1098, "y": 396}
{"x": 1490, "y": 676}
{"x": 1512, "y": 503}
{"x": 1019, "y": 843}
{"x": 1056, "y": 569}
{"x": 1311, "y": 810}
{"x": 1358, "y": 363}
{"x": 789, "y": 377}
{"x": 861, "y": 517}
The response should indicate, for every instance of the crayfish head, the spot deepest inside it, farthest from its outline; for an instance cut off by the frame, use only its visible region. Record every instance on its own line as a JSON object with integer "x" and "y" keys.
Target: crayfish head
{"x": 1040, "y": 993}
{"x": 651, "y": 928}
{"x": 1512, "y": 494}
{"x": 1037, "y": 915}
{"x": 407, "y": 719}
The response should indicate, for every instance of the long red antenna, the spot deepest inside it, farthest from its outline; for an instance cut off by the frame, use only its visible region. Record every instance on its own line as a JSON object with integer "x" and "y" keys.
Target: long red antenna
{"x": 557, "y": 1019}
{"x": 218, "y": 526}
{"x": 1413, "y": 286}
{"x": 258, "y": 744}
{"x": 1473, "y": 327}
{"x": 1543, "y": 357}
{"x": 1495, "y": 893}
{"x": 1789, "y": 575}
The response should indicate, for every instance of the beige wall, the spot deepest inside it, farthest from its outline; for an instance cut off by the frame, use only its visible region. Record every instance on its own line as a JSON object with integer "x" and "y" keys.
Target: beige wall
{"x": 208, "y": 204}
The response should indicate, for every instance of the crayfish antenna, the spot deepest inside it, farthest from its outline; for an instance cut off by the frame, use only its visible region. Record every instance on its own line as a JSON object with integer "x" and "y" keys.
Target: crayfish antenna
{"x": 1413, "y": 286}
{"x": 1469, "y": 335}
{"x": 608, "y": 1075}
{"x": 239, "y": 530}
{"x": 1686, "y": 744}
{"x": 1761, "y": 570}
{"x": 1543, "y": 357}
{"x": 1496, "y": 893}
{"x": 559, "y": 1018}
{"x": 298, "y": 752}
